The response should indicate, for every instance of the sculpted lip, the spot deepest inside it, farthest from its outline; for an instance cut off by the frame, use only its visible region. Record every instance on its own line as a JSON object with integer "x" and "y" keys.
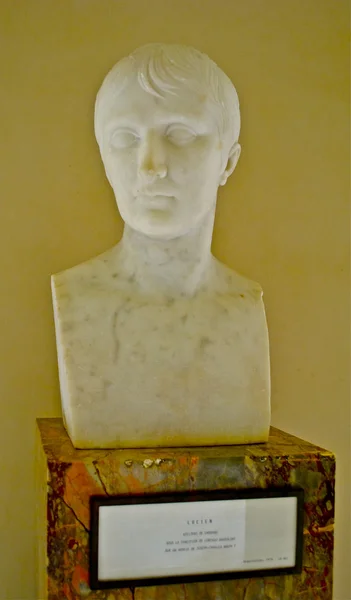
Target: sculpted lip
{"x": 157, "y": 201}
{"x": 154, "y": 194}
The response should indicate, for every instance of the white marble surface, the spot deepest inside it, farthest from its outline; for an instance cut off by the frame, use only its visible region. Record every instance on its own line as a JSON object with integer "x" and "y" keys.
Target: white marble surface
{"x": 158, "y": 343}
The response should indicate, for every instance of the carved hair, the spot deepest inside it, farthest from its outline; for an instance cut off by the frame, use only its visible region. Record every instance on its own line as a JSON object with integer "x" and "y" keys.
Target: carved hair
{"x": 163, "y": 69}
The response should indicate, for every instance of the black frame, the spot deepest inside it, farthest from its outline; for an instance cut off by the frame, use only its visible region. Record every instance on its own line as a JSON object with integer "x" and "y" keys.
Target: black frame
{"x": 97, "y": 501}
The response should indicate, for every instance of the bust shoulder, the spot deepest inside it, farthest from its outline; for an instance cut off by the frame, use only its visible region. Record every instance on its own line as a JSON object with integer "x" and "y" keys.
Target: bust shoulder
{"x": 96, "y": 273}
{"x": 228, "y": 282}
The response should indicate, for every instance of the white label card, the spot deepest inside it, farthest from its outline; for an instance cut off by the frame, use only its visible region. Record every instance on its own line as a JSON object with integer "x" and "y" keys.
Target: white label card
{"x": 141, "y": 541}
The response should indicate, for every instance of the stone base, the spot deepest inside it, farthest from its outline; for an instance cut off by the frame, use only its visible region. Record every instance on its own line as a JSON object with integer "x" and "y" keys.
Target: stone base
{"x": 67, "y": 477}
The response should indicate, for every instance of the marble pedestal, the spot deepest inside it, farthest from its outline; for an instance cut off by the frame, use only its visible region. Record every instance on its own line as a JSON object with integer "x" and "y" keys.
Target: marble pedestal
{"x": 67, "y": 477}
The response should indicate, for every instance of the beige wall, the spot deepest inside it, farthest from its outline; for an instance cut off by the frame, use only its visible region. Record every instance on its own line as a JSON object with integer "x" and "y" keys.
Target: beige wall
{"x": 282, "y": 219}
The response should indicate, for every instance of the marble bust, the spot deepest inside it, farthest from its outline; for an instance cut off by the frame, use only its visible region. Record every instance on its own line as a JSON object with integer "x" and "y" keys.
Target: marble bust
{"x": 160, "y": 344}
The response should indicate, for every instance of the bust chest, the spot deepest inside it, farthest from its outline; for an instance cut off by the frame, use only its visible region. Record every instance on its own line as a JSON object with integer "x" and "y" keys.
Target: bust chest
{"x": 146, "y": 365}
{"x": 112, "y": 333}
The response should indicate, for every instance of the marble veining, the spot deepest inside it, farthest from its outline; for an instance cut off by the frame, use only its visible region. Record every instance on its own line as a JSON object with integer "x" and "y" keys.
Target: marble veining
{"x": 68, "y": 477}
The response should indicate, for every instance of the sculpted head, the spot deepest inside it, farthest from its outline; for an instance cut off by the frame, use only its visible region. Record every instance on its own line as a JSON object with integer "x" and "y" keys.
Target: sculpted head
{"x": 167, "y": 122}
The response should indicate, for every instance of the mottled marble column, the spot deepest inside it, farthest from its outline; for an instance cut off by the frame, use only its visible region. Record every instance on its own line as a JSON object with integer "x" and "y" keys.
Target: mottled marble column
{"x": 67, "y": 477}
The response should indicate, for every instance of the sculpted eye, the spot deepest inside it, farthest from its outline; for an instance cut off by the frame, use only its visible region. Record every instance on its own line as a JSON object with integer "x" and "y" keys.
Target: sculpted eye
{"x": 124, "y": 138}
{"x": 180, "y": 135}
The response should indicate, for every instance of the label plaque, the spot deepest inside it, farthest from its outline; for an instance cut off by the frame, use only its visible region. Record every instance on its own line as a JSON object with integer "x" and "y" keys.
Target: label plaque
{"x": 193, "y": 537}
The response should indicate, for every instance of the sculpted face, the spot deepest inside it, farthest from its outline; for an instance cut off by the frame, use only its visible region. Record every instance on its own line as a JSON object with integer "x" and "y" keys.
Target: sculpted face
{"x": 164, "y": 158}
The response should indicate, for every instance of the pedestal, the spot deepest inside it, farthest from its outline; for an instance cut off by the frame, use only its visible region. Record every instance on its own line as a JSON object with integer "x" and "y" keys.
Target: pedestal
{"x": 68, "y": 477}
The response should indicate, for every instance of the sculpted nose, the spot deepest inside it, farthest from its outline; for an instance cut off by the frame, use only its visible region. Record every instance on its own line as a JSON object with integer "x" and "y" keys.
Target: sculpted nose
{"x": 152, "y": 161}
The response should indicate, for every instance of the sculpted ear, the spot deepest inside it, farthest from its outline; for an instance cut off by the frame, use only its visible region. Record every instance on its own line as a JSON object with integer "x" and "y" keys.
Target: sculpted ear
{"x": 231, "y": 163}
